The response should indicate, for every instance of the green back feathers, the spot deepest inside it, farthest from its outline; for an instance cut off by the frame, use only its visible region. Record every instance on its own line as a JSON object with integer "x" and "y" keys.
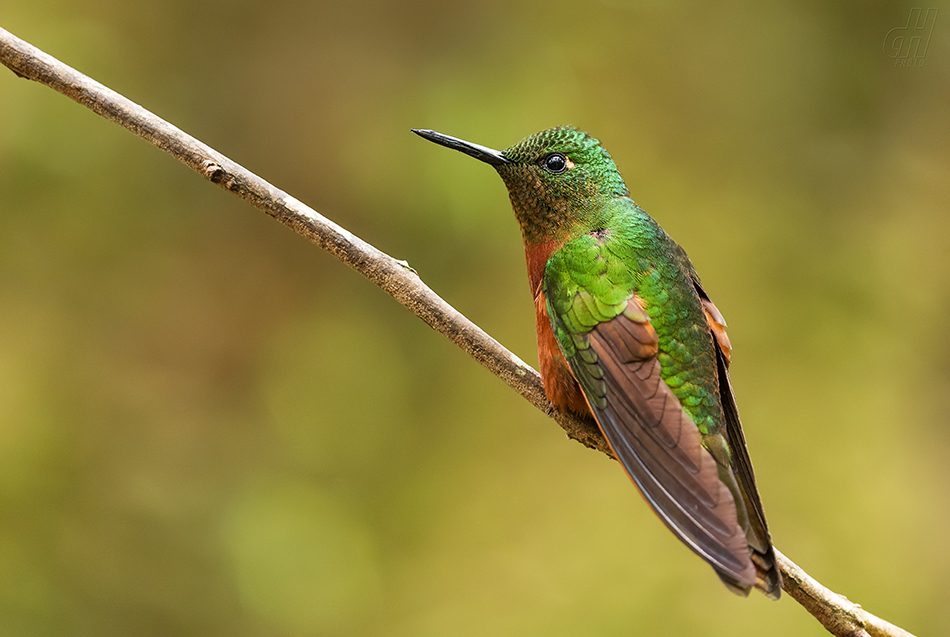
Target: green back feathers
{"x": 594, "y": 277}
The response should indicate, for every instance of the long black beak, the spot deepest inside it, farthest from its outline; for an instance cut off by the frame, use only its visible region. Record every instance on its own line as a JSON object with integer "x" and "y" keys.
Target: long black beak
{"x": 487, "y": 155}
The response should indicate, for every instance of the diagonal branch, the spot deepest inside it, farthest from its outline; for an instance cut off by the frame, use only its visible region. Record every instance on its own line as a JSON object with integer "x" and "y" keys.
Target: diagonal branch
{"x": 836, "y": 613}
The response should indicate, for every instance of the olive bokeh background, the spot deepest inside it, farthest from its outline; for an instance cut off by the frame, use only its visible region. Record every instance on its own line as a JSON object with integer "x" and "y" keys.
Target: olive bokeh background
{"x": 210, "y": 427}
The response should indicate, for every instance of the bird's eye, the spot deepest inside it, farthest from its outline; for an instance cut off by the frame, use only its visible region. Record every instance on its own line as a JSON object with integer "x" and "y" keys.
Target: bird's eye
{"x": 555, "y": 163}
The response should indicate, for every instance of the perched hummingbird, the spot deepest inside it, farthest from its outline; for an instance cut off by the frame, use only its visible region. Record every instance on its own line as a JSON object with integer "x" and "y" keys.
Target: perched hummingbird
{"x": 628, "y": 335}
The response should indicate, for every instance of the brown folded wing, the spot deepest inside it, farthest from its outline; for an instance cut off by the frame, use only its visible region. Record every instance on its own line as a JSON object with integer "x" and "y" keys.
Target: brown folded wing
{"x": 658, "y": 443}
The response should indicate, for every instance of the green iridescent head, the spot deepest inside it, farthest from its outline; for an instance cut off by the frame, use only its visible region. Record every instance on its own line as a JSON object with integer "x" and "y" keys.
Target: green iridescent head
{"x": 558, "y": 179}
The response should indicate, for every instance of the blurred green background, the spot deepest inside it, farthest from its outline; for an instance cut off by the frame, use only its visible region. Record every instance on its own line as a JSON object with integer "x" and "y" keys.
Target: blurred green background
{"x": 210, "y": 427}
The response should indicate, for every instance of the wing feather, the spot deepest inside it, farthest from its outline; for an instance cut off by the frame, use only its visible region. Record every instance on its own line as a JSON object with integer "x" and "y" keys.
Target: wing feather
{"x": 660, "y": 446}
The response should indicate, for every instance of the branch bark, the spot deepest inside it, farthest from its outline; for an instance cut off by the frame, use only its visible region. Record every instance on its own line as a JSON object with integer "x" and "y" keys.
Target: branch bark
{"x": 835, "y": 612}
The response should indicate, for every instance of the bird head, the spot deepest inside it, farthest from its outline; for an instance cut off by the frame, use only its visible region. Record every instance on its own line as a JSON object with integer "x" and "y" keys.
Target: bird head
{"x": 559, "y": 179}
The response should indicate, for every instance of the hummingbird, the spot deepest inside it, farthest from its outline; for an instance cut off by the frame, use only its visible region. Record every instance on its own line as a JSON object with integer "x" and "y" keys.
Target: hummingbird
{"x": 627, "y": 335}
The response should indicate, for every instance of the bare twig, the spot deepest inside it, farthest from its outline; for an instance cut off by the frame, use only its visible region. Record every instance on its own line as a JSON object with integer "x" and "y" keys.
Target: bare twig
{"x": 836, "y": 613}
